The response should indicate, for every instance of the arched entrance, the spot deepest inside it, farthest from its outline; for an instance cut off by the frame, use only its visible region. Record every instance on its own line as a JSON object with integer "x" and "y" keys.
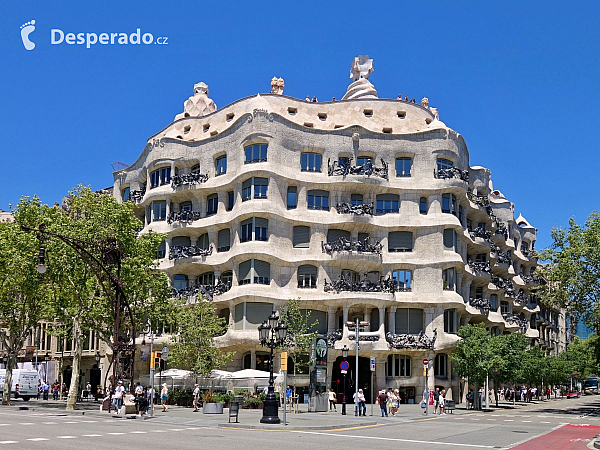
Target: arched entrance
{"x": 67, "y": 374}
{"x": 364, "y": 377}
{"x": 95, "y": 377}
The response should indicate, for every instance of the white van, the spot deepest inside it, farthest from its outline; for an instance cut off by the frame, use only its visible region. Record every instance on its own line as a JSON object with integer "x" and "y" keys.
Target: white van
{"x": 27, "y": 380}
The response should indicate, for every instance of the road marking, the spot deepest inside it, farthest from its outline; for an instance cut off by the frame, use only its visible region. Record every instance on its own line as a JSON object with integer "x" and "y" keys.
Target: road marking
{"x": 138, "y": 432}
{"x": 72, "y": 422}
{"x": 544, "y": 422}
{"x": 115, "y": 434}
{"x": 458, "y": 418}
{"x": 26, "y": 423}
{"x": 175, "y": 429}
{"x": 9, "y": 442}
{"x": 88, "y": 421}
{"x": 508, "y": 420}
{"x": 49, "y": 423}
{"x": 526, "y": 421}
{"x": 66, "y": 437}
{"x": 490, "y": 419}
{"x": 91, "y": 435}
{"x": 158, "y": 431}
{"x": 38, "y": 439}
{"x": 475, "y": 419}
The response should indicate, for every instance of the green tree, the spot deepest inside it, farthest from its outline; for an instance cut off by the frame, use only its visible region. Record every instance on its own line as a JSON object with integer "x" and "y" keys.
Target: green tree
{"x": 23, "y": 291}
{"x": 535, "y": 367}
{"x": 573, "y": 270}
{"x": 299, "y": 337}
{"x": 194, "y": 348}
{"x": 474, "y": 356}
{"x": 581, "y": 354}
{"x": 508, "y": 351}
{"x": 101, "y": 270}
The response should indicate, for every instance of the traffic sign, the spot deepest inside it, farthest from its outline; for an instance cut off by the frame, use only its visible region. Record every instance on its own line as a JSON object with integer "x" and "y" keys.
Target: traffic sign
{"x": 372, "y": 364}
{"x": 425, "y": 362}
{"x": 165, "y": 353}
{"x": 344, "y": 371}
{"x": 344, "y": 365}
{"x": 337, "y": 381}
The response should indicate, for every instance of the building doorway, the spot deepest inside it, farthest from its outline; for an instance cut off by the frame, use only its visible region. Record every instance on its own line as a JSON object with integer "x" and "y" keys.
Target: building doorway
{"x": 407, "y": 395}
{"x": 364, "y": 378}
{"x": 95, "y": 378}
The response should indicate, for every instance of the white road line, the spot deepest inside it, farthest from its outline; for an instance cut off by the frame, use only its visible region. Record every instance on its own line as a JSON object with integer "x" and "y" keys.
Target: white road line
{"x": 158, "y": 431}
{"x": 353, "y": 436}
{"x": 458, "y": 418}
{"x": 508, "y": 420}
{"x": 9, "y": 442}
{"x": 66, "y": 437}
{"x": 26, "y": 423}
{"x": 91, "y": 435}
{"x": 490, "y": 419}
{"x": 475, "y": 419}
{"x": 88, "y": 421}
{"x": 72, "y": 422}
{"x": 544, "y": 422}
{"x": 525, "y": 421}
{"x": 115, "y": 434}
{"x": 49, "y": 423}
{"x": 4, "y": 424}
{"x": 138, "y": 432}
{"x": 38, "y": 439}
{"x": 175, "y": 429}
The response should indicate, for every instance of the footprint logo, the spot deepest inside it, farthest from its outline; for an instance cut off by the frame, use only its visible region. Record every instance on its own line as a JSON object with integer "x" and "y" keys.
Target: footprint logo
{"x": 26, "y": 30}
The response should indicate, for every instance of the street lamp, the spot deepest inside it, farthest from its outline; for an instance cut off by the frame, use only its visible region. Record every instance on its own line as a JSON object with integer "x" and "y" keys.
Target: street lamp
{"x": 345, "y": 351}
{"x": 357, "y": 325}
{"x": 97, "y": 356}
{"x": 271, "y": 334}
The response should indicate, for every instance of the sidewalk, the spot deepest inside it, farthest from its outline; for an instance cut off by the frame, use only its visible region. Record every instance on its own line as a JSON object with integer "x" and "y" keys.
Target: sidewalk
{"x": 250, "y": 418}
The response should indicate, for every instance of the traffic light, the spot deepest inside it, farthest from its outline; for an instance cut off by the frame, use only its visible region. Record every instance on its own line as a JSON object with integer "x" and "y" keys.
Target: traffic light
{"x": 424, "y": 372}
{"x": 156, "y": 359}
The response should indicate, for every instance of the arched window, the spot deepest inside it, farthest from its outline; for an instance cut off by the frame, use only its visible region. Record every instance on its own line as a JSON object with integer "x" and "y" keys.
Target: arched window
{"x": 440, "y": 365}
{"x": 307, "y": 277}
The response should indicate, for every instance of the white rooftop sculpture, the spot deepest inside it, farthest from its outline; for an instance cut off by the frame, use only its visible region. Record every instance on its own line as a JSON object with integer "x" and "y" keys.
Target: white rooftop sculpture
{"x": 199, "y": 104}
{"x": 362, "y": 67}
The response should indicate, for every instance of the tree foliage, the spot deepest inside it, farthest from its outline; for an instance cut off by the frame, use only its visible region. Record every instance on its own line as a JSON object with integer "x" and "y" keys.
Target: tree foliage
{"x": 474, "y": 354}
{"x": 194, "y": 348}
{"x": 573, "y": 270}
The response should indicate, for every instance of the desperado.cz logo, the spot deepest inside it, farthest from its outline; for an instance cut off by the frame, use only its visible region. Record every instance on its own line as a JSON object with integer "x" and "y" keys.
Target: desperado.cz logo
{"x": 58, "y": 36}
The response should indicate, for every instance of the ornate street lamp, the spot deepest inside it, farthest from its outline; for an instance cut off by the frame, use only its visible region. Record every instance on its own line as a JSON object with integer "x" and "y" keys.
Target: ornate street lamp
{"x": 345, "y": 351}
{"x": 97, "y": 356}
{"x": 271, "y": 334}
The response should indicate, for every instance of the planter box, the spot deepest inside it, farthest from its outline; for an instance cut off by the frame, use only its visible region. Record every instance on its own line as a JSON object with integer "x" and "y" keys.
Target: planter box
{"x": 212, "y": 408}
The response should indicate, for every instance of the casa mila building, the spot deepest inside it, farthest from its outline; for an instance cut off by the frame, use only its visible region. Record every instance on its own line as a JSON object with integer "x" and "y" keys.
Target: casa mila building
{"x": 362, "y": 208}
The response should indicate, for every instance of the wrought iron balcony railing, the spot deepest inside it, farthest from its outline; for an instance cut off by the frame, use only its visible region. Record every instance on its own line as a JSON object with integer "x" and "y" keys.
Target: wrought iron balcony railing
{"x": 183, "y": 216}
{"x": 502, "y": 257}
{"x": 137, "y": 196}
{"x": 451, "y": 172}
{"x": 479, "y": 267}
{"x": 411, "y": 341}
{"x": 178, "y": 252}
{"x": 344, "y": 167}
{"x": 334, "y": 336}
{"x": 365, "y": 285}
{"x": 511, "y": 318}
{"x": 359, "y": 210}
{"x": 481, "y": 303}
{"x": 502, "y": 283}
{"x": 344, "y": 245}
{"x": 481, "y": 233}
{"x": 483, "y": 202}
{"x": 208, "y": 290}
{"x": 501, "y": 229}
{"x": 362, "y": 337}
{"x": 189, "y": 179}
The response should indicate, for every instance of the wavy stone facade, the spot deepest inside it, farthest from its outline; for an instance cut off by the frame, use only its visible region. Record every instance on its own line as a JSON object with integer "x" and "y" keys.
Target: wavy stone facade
{"x": 388, "y": 223}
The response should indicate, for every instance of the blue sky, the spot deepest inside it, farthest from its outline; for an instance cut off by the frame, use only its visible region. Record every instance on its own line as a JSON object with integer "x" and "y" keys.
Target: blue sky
{"x": 519, "y": 80}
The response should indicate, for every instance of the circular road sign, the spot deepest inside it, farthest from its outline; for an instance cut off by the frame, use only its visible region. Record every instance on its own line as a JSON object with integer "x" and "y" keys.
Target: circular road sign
{"x": 344, "y": 365}
{"x": 425, "y": 362}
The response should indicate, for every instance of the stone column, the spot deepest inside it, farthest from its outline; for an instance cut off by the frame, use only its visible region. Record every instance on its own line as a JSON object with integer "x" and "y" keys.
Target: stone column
{"x": 379, "y": 381}
{"x": 172, "y": 169}
{"x": 367, "y": 314}
{"x": 253, "y": 359}
{"x": 331, "y": 310}
{"x": 167, "y": 247}
{"x": 231, "y": 318}
{"x": 449, "y": 390}
{"x": 168, "y": 209}
{"x": 217, "y": 275}
{"x": 431, "y": 377}
{"x": 392, "y": 319}
{"x": 345, "y": 319}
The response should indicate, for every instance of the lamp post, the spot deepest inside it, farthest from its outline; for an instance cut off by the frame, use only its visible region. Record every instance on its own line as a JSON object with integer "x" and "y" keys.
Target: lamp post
{"x": 356, "y": 325}
{"x": 271, "y": 334}
{"x": 345, "y": 351}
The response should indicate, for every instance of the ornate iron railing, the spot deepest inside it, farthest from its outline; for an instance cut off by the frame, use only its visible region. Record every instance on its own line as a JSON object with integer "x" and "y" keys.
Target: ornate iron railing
{"x": 481, "y": 233}
{"x": 501, "y": 229}
{"x": 522, "y": 298}
{"x": 345, "y": 167}
{"x": 183, "y": 216}
{"x": 365, "y": 285}
{"x": 412, "y": 341}
{"x": 209, "y": 290}
{"x": 532, "y": 279}
{"x": 483, "y": 202}
{"x": 502, "y": 283}
{"x": 481, "y": 303}
{"x": 511, "y": 318}
{"x": 361, "y": 337}
{"x": 451, "y": 172}
{"x": 178, "y": 252}
{"x": 529, "y": 253}
{"x": 334, "y": 336}
{"x": 137, "y": 196}
{"x": 189, "y": 179}
{"x": 479, "y": 267}
{"x": 344, "y": 245}
{"x": 359, "y": 210}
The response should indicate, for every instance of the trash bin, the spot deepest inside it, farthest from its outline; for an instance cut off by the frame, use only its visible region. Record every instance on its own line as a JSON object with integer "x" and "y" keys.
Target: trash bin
{"x": 239, "y": 399}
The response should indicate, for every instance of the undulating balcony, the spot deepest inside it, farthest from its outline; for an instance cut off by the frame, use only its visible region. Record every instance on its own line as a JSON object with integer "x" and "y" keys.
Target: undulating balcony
{"x": 344, "y": 167}
{"x": 451, "y": 172}
{"x": 411, "y": 341}
{"x": 179, "y": 252}
{"x": 189, "y": 179}
{"x": 344, "y": 245}
{"x": 359, "y": 210}
{"x": 183, "y": 216}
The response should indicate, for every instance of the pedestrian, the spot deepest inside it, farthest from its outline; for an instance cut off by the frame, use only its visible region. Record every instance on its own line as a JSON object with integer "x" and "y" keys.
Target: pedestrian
{"x": 55, "y": 388}
{"x": 196, "y": 401}
{"x": 118, "y": 396}
{"x": 362, "y": 407}
{"x": 436, "y": 400}
{"x": 332, "y": 400}
{"x": 150, "y": 397}
{"x": 17, "y": 387}
{"x": 442, "y": 402}
{"x": 139, "y": 390}
{"x": 164, "y": 396}
{"x": 45, "y": 389}
{"x": 470, "y": 398}
{"x": 39, "y": 390}
{"x": 288, "y": 396}
{"x": 382, "y": 399}
{"x": 425, "y": 400}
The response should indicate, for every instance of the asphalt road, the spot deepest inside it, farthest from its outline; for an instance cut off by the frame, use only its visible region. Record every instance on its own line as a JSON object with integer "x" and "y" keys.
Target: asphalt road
{"x": 500, "y": 429}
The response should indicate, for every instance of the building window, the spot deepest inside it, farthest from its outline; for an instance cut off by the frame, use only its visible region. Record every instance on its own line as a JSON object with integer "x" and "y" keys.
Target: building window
{"x": 212, "y": 204}
{"x": 227, "y": 277}
{"x": 125, "y": 194}
{"x": 387, "y": 203}
{"x": 223, "y": 240}
{"x": 505, "y": 307}
{"x": 444, "y": 164}
{"x": 403, "y": 279}
{"x": 221, "y": 165}
{"x": 494, "y": 302}
{"x": 255, "y": 153}
{"x": 254, "y": 271}
{"x": 249, "y": 315}
{"x": 481, "y": 257}
{"x": 160, "y": 176}
{"x": 318, "y": 200}
{"x": 162, "y": 248}
{"x": 180, "y": 282}
{"x": 206, "y": 279}
{"x": 495, "y": 331}
{"x": 246, "y": 231}
{"x": 363, "y": 160}
{"x": 399, "y": 366}
{"x": 403, "y": 167}
{"x": 159, "y": 210}
{"x": 409, "y": 321}
{"x": 310, "y": 162}
{"x": 307, "y": 277}
{"x": 195, "y": 170}
{"x": 255, "y": 229}
{"x": 301, "y": 237}
{"x": 450, "y": 239}
{"x": 440, "y": 365}
{"x": 449, "y": 205}
{"x": 450, "y": 321}
{"x": 449, "y": 279}
{"x": 292, "y": 197}
{"x": 351, "y": 276}
{"x": 255, "y": 187}
{"x": 423, "y": 205}
{"x": 400, "y": 241}
{"x": 203, "y": 241}
{"x": 230, "y": 200}
{"x": 356, "y": 199}
{"x": 185, "y": 206}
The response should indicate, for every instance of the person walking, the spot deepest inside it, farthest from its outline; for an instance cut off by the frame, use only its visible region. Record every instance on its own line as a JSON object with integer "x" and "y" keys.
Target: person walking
{"x": 436, "y": 400}
{"x": 395, "y": 402}
{"x": 382, "y": 399}
{"x": 196, "y": 401}
{"x": 442, "y": 402}
{"x": 164, "y": 396}
{"x": 425, "y": 400}
{"x": 332, "y": 400}
{"x": 150, "y": 396}
{"x": 118, "y": 396}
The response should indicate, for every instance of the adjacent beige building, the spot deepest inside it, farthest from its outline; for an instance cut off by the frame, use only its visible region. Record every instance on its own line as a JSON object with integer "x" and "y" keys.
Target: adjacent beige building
{"x": 362, "y": 208}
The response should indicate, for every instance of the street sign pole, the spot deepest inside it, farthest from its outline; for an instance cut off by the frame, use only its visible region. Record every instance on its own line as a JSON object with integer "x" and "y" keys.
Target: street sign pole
{"x": 284, "y": 358}
{"x": 425, "y": 374}
{"x": 372, "y": 372}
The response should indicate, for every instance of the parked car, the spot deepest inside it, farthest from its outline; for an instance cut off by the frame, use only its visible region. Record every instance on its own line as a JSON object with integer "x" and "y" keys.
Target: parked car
{"x": 573, "y": 393}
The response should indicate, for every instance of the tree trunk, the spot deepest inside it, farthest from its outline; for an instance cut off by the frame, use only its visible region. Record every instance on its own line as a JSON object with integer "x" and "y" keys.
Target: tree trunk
{"x": 74, "y": 388}
{"x": 10, "y": 364}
